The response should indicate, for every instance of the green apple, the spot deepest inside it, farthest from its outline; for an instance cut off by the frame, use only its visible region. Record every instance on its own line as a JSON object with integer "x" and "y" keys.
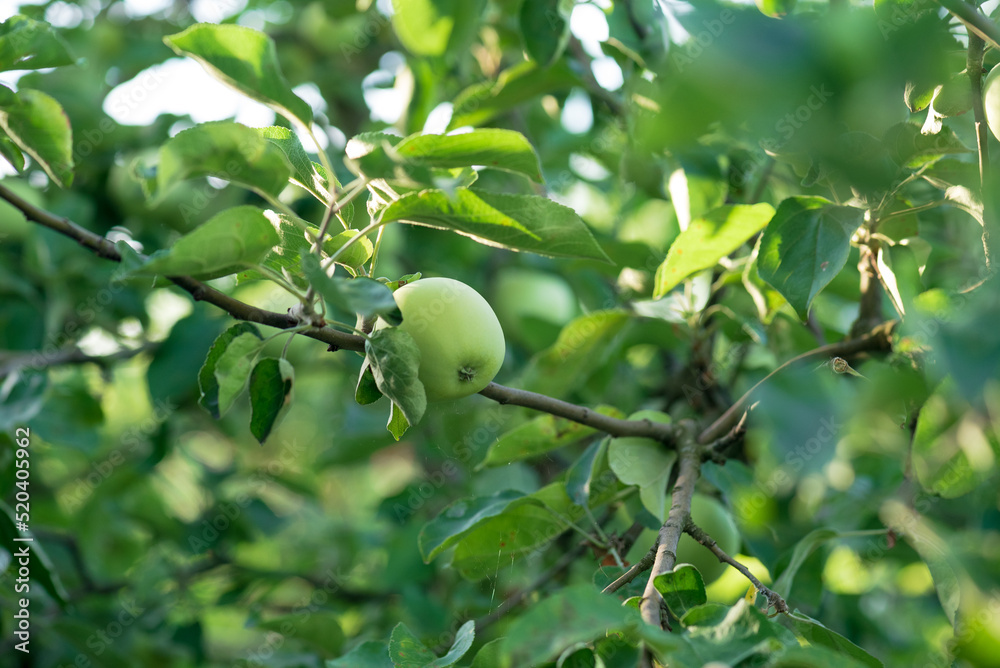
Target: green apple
{"x": 460, "y": 339}
{"x": 533, "y": 305}
{"x": 991, "y": 100}
{"x": 713, "y": 518}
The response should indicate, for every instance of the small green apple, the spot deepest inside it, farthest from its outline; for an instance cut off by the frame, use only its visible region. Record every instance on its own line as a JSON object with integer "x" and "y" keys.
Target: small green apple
{"x": 533, "y": 305}
{"x": 991, "y": 100}
{"x": 460, "y": 339}
{"x": 713, "y": 518}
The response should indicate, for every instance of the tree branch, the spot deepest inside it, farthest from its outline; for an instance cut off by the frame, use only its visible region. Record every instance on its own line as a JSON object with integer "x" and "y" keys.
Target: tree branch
{"x": 668, "y": 433}
{"x": 774, "y": 600}
{"x": 975, "y": 22}
{"x": 637, "y": 568}
{"x": 689, "y": 466}
{"x": 880, "y": 338}
{"x": 102, "y": 247}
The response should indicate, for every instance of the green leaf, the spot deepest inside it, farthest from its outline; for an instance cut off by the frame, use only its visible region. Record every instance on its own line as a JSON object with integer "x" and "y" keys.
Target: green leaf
{"x": 370, "y": 654}
{"x": 813, "y": 656}
{"x": 305, "y": 173}
{"x": 682, "y": 589}
{"x": 367, "y": 391}
{"x": 493, "y": 148}
{"x": 207, "y": 381}
{"x": 398, "y": 424}
{"x": 545, "y": 28}
{"x": 222, "y": 149}
{"x": 581, "y": 474}
{"x": 42, "y": 570}
{"x": 461, "y": 517}
{"x": 805, "y": 246}
{"x": 295, "y": 244}
{"x": 481, "y": 103}
{"x": 951, "y": 451}
{"x": 816, "y": 634}
{"x": 644, "y": 462}
{"x": 538, "y": 436}
{"x": 812, "y": 540}
{"x": 490, "y": 655}
{"x": 394, "y": 360}
{"x": 245, "y": 59}
{"x": 575, "y": 614}
{"x": 909, "y": 147}
{"x": 38, "y": 125}
{"x": 639, "y": 461}
{"x": 463, "y": 641}
{"x": 27, "y": 44}
{"x": 22, "y": 396}
{"x": 775, "y": 8}
{"x": 363, "y": 296}
{"x": 318, "y": 629}
{"x": 935, "y": 551}
{"x": 707, "y": 240}
{"x": 436, "y": 27}
{"x": 743, "y": 632}
{"x": 10, "y": 151}
{"x": 525, "y": 526}
{"x": 516, "y": 222}
{"x": 917, "y": 95}
{"x": 406, "y": 650}
{"x": 229, "y": 241}
{"x": 270, "y": 394}
{"x": 583, "y": 346}
{"x": 232, "y": 370}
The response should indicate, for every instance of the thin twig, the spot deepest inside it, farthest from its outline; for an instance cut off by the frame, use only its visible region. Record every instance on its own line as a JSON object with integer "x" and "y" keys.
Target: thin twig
{"x": 774, "y": 600}
{"x": 637, "y": 568}
{"x": 880, "y": 338}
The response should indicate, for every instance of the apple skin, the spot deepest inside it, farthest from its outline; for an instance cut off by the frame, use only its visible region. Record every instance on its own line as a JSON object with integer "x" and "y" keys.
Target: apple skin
{"x": 460, "y": 339}
{"x": 533, "y": 305}
{"x": 713, "y": 518}
{"x": 991, "y": 100}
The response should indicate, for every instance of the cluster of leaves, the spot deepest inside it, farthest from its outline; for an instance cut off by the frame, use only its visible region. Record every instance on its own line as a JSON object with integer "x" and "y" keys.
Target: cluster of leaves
{"x": 748, "y": 188}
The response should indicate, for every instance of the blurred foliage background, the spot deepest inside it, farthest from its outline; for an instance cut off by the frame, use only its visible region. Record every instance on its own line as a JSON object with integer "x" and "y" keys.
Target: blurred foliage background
{"x": 175, "y": 540}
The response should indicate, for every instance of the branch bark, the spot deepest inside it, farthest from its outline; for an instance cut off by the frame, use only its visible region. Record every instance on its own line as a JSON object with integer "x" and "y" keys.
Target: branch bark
{"x": 689, "y": 467}
{"x": 667, "y": 433}
{"x": 338, "y": 340}
{"x": 975, "y": 22}
{"x": 102, "y": 247}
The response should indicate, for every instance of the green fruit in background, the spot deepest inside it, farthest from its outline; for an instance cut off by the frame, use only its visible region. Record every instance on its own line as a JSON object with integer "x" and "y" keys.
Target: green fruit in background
{"x": 460, "y": 339}
{"x": 533, "y": 306}
{"x": 13, "y": 224}
{"x": 991, "y": 100}
{"x": 713, "y": 518}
